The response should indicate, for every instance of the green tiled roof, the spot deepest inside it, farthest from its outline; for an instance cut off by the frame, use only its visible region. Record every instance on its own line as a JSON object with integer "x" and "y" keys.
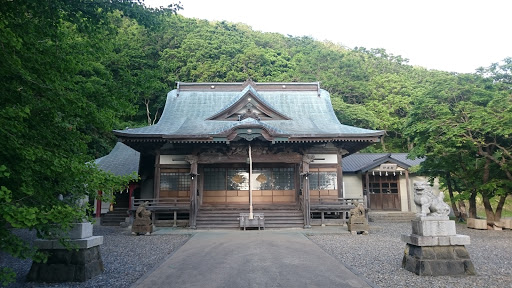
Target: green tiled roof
{"x": 362, "y": 162}
{"x": 121, "y": 161}
{"x": 187, "y": 111}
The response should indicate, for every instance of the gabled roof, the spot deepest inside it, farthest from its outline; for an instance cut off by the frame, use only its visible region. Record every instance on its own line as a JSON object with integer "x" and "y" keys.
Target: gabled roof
{"x": 121, "y": 161}
{"x": 249, "y": 105}
{"x": 363, "y": 162}
{"x": 290, "y": 112}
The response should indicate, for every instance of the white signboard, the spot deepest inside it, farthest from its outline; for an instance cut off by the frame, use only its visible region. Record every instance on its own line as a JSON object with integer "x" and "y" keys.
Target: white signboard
{"x": 388, "y": 167}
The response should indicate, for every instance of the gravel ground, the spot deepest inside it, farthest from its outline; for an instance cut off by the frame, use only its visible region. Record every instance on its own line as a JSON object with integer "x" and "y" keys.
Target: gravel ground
{"x": 378, "y": 257}
{"x": 125, "y": 257}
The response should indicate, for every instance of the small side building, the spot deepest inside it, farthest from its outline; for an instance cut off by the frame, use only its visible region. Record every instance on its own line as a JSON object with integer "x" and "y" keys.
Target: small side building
{"x": 384, "y": 179}
{"x": 121, "y": 161}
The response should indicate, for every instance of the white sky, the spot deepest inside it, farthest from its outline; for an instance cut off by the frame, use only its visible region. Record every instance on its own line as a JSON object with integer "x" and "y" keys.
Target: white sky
{"x": 450, "y": 35}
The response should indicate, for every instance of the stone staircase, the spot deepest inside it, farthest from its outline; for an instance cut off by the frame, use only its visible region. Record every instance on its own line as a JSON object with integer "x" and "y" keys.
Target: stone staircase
{"x": 286, "y": 216}
{"x": 390, "y": 216}
{"x": 115, "y": 217}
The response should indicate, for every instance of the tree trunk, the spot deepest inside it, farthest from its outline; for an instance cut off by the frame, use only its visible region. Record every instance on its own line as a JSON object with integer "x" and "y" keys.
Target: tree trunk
{"x": 456, "y": 212}
{"x": 489, "y": 214}
{"x": 472, "y": 204}
{"x": 499, "y": 208}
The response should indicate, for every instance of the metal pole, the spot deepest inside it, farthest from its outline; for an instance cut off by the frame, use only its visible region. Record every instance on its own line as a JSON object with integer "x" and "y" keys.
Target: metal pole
{"x": 251, "y": 216}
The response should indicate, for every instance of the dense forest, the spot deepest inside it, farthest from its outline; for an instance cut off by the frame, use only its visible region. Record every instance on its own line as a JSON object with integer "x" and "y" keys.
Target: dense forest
{"x": 72, "y": 71}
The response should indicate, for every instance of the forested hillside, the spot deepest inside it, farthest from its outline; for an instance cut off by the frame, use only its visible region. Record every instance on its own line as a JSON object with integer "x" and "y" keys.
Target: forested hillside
{"x": 369, "y": 88}
{"x": 72, "y": 71}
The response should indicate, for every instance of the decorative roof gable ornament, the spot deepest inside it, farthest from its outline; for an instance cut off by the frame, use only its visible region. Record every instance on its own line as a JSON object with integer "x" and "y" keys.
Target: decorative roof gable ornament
{"x": 249, "y": 105}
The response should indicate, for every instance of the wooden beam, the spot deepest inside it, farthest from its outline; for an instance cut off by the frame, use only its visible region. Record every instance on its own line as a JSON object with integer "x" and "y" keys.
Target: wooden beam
{"x": 263, "y": 158}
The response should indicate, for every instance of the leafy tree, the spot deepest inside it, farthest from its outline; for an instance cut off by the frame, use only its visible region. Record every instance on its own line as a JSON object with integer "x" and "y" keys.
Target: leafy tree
{"x": 463, "y": 123}
{"x": 59, "y": 103}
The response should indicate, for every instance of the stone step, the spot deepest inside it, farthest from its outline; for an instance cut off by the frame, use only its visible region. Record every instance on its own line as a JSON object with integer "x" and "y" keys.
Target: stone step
{"x": 229, "y": 218}
{"x": 115, "y": 217}
{"x": 236, "y": 215}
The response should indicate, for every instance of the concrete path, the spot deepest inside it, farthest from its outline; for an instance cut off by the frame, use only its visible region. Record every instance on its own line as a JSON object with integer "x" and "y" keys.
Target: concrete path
{"x": 234, "y": 259}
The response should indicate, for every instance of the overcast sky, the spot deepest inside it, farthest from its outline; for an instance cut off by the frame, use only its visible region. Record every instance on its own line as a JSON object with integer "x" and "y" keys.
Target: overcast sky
{"x": 450, "y": 35}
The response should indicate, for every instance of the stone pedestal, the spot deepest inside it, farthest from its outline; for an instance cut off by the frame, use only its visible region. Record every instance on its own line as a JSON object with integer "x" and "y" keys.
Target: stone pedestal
{"x": 477, "y": 223}
{"x": 78, "y": 264}
{"x": 434, "y": 248}
{"x": 506, "y": 223}
{"x": 142, "y": 226}
{"x": 358, "y": 225}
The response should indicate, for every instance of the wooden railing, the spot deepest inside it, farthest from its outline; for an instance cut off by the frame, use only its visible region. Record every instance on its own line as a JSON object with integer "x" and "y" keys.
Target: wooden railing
{"x": 162, "y": 205}
{"x": 335, "y": 205}
{"x": 335, "y": 201}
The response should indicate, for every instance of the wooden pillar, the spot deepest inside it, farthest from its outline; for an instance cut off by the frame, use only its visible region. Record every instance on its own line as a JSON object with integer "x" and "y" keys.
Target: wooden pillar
{"x": 408, "y": 188}
{"x": 156, "y": 178}
{"x": 98, "y": 204}
{"x": 367, "y": 184}
{"x": 305, "y": 190}
{"x": 193, "y": 190}
{"x": 251, "y": 216}
{"x": 339, "y": 178}
{"x": 131, "y": 188}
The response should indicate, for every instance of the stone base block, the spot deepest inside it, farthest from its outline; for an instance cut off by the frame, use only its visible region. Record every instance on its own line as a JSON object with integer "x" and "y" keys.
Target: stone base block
{"x": 432, "y": 218}
{"x": 438, "y": 260}
{"x": 433, "y": 227}
{"x": 477, "y": 223}
{"x": 358, "y": 224}
{"x": 418, "y": 240}
{"x": 142, "y": 226}
{"x": 355, "y": 228}
{"x": 80, "y": 230}
{"x": 67, "y": 266}
{"x": 75, "y": 243}
{"x": 506, "y": 223}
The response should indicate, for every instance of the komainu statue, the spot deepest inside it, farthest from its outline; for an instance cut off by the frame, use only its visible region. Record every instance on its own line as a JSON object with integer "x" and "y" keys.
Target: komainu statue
{"x": 428, "y": 204}
{"x": 142, "y": 223}
{"x": 357, "y": 223}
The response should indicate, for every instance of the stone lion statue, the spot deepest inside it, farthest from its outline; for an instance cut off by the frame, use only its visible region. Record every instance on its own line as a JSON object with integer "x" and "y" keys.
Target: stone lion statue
{"x": 358, "y": 211}
{"x": 428, "y": 204}
{"x": 142, "y": 223}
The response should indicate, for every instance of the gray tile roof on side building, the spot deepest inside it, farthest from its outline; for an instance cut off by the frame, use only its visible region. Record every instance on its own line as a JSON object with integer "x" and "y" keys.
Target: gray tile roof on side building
{"x": 188, "y": 113}
{"x": 121, "y": 161}
{"x": 362, "y": 162}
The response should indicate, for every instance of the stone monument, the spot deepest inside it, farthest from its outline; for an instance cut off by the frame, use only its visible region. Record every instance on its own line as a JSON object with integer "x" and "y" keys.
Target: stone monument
{"x": 74, "y": 258}
{"x": 77, "y": 261}
{"x": 434, "y": 248}
{"x": 357, "y": 222}
{"x": 142, "y": 223}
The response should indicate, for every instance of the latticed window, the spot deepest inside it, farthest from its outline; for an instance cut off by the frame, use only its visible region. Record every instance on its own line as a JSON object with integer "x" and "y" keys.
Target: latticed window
{"x": 283, "y": 179}
{"x": 214, "y": 179}
{"x": 262, "y": 179}
{"x": 383, "y": 184}
{"x": 174, "y": 181}
{"x": 238, "y": 179}
{"x": 322, "y": 180}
